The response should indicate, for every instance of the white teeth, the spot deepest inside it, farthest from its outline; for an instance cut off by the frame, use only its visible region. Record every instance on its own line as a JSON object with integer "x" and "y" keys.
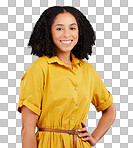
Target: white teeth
{"x": 66, "y": 41}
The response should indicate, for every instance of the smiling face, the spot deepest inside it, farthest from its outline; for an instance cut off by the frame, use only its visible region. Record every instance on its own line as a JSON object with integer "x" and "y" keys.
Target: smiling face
{"x": 64, "y": 32}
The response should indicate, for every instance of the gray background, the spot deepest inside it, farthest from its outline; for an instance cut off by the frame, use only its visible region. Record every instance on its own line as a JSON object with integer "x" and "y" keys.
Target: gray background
{"x": 112, "y": 58}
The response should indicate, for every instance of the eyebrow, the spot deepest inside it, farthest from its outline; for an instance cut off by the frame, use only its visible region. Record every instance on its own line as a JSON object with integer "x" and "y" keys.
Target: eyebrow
{"x": 63, "y": 25}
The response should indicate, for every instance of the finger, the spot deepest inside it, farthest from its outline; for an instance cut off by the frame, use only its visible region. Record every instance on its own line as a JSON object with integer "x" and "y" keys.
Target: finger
{"x": 84, "y": 135}
{"x": 89, "y": 138}
{"x": 83, "y": 124}
{"x": 82, "y": 130}
{"x": 86, "y": 139}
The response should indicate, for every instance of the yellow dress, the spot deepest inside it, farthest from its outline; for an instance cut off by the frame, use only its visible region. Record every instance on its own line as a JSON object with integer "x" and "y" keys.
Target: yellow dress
{"x": 61, "y": 96}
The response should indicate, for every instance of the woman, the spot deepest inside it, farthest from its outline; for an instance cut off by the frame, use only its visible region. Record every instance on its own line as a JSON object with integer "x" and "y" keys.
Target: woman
{"x": 56, "y": 89}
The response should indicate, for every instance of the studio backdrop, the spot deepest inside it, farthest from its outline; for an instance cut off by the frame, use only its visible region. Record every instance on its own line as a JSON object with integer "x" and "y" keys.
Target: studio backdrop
{"x": 112, "y": 58}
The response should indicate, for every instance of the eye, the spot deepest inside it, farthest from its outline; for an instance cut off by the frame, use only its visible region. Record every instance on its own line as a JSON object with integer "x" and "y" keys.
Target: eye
{"x": 72, "y": 28}
{"x": 58, "y": 28}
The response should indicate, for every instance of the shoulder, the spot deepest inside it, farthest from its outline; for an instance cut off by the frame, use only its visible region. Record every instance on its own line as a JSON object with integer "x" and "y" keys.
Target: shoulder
{"x": 89, "y": 69}
{"x": 39, "y": 64}
{"x": 87, "y": 65}
{"x": 37, "y": 70}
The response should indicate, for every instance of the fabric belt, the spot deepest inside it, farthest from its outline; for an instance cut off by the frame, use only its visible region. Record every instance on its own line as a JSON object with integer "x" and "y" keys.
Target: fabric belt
{"x": 70, "y": 132}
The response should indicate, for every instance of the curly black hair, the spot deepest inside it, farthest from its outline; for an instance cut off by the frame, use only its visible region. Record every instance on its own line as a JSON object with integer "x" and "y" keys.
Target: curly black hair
{"x": 41, "y": 38}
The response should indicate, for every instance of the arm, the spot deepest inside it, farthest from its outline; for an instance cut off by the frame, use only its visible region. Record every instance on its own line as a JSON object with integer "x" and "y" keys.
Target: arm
{"x": 107, "y": 119}
{"x": 29, "y": 122}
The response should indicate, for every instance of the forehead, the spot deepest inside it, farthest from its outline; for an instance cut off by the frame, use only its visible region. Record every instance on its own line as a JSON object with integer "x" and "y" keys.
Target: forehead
{"x": 65, "y": 18}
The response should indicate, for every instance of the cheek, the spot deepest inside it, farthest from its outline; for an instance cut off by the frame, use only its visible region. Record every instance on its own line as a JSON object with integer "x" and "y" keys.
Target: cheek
{"x": 54, "y": 38}
{"x": 76, "y": 36}
{"x": 56, "y": 35}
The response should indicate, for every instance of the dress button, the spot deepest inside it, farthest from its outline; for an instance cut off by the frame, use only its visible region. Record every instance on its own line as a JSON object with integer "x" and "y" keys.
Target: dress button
{"x": 76, "y": 104}
{"x": 76, "y": 88}
{"x": 72, "y": 118}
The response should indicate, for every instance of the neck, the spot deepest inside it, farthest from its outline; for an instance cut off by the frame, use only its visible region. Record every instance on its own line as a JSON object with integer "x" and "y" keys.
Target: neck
{"x": 64, "y": 57}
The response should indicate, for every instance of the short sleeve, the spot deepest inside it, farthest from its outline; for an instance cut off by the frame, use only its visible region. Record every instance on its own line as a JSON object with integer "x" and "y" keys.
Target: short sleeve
{"x": 102, "y": 98}
{"x": 31, "y": 88}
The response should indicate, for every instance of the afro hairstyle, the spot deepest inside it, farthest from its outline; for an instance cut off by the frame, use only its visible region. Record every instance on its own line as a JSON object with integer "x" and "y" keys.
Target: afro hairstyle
{"x": 41, "y": 39}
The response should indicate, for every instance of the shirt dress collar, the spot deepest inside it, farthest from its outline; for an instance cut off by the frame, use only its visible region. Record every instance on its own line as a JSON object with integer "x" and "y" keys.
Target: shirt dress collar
{"x": 56, "y": 59}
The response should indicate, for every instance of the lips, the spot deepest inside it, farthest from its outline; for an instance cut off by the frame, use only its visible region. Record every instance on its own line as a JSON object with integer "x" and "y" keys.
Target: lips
{"x": 66, "y": 42}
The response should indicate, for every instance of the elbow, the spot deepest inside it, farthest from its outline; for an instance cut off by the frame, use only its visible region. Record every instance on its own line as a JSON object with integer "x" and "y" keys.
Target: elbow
{"x": 22, "y": 130}
{"x": 27, "y": 130}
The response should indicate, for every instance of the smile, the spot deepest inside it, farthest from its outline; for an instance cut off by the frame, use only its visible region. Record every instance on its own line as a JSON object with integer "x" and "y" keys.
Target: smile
{"x": 66, "y": 42}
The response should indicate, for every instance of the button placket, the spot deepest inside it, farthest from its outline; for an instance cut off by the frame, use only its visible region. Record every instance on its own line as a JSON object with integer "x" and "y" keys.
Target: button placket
{"x": 72, "y": 118}
{"x": 76, "y": 88}
{"x": 76, "y": 85}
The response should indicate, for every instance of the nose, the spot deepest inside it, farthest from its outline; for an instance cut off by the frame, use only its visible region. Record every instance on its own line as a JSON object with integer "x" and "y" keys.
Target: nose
{"x": 66, "y": 32}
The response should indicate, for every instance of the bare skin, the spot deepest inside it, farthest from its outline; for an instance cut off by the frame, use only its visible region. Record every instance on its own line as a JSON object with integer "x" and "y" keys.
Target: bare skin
{"x": 107, "y": 119}
{"x": 29, "y": 122}
{"x": 64, "y": 28}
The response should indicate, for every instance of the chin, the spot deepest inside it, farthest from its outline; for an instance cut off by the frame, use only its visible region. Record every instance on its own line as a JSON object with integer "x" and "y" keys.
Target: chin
{"x": 64, "y": 50}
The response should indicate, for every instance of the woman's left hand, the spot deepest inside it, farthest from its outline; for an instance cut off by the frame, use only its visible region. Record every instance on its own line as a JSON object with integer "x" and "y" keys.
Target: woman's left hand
{"x": 86, "y": 134}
